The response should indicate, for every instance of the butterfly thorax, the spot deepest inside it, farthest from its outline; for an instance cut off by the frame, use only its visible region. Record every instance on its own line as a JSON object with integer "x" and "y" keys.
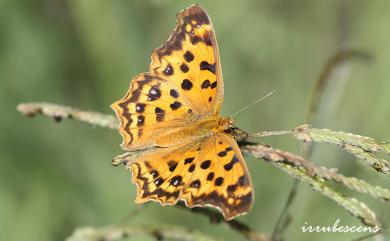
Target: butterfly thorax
{"x": 213, "y": 124}
{"x": 224, "y": 124}
{"x": 200, "y": 129}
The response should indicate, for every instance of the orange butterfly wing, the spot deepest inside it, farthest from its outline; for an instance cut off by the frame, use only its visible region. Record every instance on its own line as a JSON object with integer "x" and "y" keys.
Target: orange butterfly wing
{"x": 190, "y": 59}
{"x": 211, "y": 172}
{"x": 184, "y": 85}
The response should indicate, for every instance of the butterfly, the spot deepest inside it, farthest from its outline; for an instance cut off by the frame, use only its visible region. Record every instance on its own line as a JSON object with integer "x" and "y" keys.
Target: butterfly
{"x": 174, "y": 108}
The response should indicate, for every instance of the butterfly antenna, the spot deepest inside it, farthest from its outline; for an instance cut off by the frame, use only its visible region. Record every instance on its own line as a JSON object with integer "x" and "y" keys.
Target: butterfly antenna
{"x": 255, "y": 102}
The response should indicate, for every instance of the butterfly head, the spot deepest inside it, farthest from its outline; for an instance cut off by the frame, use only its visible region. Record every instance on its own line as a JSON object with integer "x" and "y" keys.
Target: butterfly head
{"x": 225, "y": 123}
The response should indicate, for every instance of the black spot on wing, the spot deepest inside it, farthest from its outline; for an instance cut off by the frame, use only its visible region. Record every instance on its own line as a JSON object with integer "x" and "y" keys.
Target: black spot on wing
{"x": 175, "y": 105}
{"x": 174, "y": 93}
{"x": 204, "y": 65}
{"x": 154, "y": 173}
{"x": 242, "y": 180}
{"x": 205, "y": 84}
{"x": 218, "y": 181}
{"x": 141, "y": 120}
{"x": 188, "y": 56}
{"x": 160, "y": 114}
{"x": 195, "y": 40}
{"x": 230, "y": 165}
{"x": 191, "y": 168}
{"x": 140, "y": 107}
{"x": 186, "y": 84}
{"x": 154, "y": 94}
{"x": 172, "y": 165}
{"x": 176, "y": 181}
{"x": 184, "y": 68}
{"x": 210, "y": 176}
{"x": 231, "y": 188}
{"x": 168, "y": 70}
{"x": 158, "y": 181}
{"x": 207, "y": 39}
{"x": 205, "y": 164}
{"x": 195, "y": 184}
{"x": 188, "y": 160}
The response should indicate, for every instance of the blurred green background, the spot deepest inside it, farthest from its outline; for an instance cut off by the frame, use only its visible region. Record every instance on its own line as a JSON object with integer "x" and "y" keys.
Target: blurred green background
{"x": 56, "y": 177}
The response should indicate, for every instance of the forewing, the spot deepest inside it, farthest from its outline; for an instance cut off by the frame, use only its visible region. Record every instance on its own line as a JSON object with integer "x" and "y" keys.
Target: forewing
{"x": 190, "y": 60}
{"x": 184, "y": 86}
